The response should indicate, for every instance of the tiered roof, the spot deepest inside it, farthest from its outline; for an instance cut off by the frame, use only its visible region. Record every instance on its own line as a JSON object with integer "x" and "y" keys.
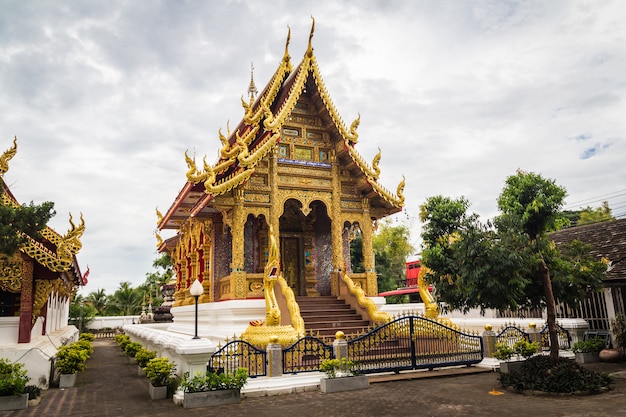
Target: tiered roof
{"x": 259, "y": 132}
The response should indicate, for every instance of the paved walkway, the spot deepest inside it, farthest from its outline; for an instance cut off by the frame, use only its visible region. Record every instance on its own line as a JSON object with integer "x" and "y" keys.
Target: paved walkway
{"x": 110, "y": 387}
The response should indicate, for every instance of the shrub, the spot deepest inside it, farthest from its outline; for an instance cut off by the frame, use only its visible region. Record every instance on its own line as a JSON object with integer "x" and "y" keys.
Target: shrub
{"x": 593, "y": 344}
{"x": 160, "y": 371}
{"x": 143, "y": 356}
{"x": 212, "y": 381}
{"x": 122, "y": 340}
{"x": 71, "y": 359}
{"x": 33, "y": 391}
{"x": 85, "y": 345}
{"x": 87, "y": 336}
{"x": 333, "y": 367}
{"x": 132, "y": 348}
{"x": 566, "y": 376}
{"x": 522, "y": 347}
{"x": 13, "y": 378}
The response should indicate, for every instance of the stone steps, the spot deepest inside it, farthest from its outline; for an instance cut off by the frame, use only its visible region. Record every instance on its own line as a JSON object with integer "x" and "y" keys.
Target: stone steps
{"x": 324, "y": 316}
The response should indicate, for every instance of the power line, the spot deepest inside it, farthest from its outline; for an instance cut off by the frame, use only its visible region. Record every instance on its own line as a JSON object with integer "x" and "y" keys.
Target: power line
{"x": 600, "y": 198}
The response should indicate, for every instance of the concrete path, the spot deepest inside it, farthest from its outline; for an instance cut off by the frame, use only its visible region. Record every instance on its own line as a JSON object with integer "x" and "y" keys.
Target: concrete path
{"x": 110, "y": 387}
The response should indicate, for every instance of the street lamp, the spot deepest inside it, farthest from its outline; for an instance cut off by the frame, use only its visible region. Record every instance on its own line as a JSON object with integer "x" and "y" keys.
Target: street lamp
{"x": 196, "y": 290}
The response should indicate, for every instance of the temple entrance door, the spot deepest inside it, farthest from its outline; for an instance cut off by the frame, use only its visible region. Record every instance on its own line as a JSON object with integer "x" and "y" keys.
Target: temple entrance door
{"x": 293, "y": 262}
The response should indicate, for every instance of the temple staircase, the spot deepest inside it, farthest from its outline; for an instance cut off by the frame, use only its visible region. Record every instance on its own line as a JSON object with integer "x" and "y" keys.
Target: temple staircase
{"x": 324, "y": 316}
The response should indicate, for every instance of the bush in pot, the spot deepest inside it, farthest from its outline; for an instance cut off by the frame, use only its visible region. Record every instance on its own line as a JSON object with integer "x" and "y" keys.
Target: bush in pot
{"x": 160, "y": 371}
{"x": 13, "y": 378}
{"x": 337, "y": 367}
{"x": 71, "y": 359}
{"x": 213, "y": 388}
{"x": 143, "y": 356}
{"x": 131, "y": 348}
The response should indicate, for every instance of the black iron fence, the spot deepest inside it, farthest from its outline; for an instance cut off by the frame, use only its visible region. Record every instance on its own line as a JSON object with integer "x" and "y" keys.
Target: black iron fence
{"x": 239, "y": 354}
{"x": 413, "y": 342}
{"x": 306, "y": 355}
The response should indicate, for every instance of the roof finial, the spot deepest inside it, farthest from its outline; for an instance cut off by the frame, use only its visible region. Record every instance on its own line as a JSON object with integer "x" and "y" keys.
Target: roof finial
{"x": 309, "y": 50}
{"x": 286, "y": 57}
{"x": 252, "y": 91}
{"x": 6, "y": 156}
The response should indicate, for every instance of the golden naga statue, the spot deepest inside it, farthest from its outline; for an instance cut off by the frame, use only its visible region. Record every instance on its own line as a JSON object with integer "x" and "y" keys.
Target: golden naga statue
{"x": 261, "y": 333}
{"x": 432, "y": 310}
{"x": 272, "y": 271}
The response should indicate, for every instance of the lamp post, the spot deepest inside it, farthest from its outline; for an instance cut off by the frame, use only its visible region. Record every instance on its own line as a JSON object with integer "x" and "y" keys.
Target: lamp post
{"x": 196, "y": 290}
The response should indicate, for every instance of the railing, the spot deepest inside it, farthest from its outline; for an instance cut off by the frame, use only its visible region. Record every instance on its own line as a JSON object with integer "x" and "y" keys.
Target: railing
{"x": 413, "y": 342}
{"x": 564, "y": 337}
{"x": 306, "y": 355}
{"x": 511, "y": 334}
{"x": 239, "y": 354}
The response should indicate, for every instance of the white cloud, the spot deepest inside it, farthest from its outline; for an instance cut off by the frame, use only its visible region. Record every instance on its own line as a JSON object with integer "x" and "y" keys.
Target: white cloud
{"x": 106, "y": 97}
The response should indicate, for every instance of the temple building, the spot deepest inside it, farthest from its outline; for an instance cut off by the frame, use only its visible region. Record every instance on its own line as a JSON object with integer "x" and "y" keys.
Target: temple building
{"x": 289, "y": 171}
{"x": 36, "y": 285}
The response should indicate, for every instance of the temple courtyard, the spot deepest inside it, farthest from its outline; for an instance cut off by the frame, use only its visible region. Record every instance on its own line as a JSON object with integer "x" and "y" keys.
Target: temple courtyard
{"x": 111, "y": 387}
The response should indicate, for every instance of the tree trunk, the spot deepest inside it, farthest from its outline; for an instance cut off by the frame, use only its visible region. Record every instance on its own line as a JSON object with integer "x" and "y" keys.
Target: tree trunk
{"x": 550, "y": 311}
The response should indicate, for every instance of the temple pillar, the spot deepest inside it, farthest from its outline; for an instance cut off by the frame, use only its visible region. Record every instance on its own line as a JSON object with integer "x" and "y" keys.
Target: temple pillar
{"x": 336, "y": 227}
{"x": 26, "y": 302}
{"x": 238, "y": 275}
{"x": 367, "y": 249}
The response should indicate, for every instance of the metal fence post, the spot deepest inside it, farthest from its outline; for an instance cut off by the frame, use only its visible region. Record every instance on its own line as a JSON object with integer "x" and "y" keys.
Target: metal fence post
{"x": 274, "y": 358}
{"x": 489, "y": 341}
{"x": 535, "y": 335}
{"x": 340, "y": 345}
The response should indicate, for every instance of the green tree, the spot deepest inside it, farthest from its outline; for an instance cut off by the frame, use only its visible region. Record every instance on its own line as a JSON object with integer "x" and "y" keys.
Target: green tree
{"x": 81, "y": 313}
{"x": 98, "y": 300}
{"x": 155, "y": 280}
{"x": 510, "y": 263}
{"x": 600, "y": 214}
{"x": 126, "y": 301}
{"x": 18, "y": 222}
{"x": 391, "y": 248}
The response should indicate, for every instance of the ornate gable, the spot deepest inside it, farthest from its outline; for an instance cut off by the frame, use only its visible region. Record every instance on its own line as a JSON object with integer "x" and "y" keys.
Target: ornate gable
{"x": 293, "y": 116}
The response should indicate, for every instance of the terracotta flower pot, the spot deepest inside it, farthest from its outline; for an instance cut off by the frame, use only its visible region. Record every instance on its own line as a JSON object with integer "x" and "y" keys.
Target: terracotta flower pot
{"x": 610, "y": 355}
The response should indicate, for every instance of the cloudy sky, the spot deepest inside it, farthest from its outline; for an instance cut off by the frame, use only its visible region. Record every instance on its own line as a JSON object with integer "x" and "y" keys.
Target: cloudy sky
{"x": 106, "y": 96}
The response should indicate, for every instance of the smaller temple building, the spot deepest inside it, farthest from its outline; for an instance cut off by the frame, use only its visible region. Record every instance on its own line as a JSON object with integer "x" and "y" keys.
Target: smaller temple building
{"x": 36, "y": 286}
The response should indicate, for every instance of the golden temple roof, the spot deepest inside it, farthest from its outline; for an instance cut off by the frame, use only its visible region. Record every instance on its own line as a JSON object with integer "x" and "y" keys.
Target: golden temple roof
{"x": 260, "y": 130}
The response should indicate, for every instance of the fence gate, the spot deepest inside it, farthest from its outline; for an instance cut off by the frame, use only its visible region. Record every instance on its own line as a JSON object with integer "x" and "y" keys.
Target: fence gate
{"x": 306, "y": 355}
{"x": 239, "y": 354}
{"x": 413, "y": 342}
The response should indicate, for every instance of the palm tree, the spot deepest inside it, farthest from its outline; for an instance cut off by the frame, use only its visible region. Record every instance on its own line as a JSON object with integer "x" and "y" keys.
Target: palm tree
{"x": 126, "y": 301}
{"x": 98, "y": 299}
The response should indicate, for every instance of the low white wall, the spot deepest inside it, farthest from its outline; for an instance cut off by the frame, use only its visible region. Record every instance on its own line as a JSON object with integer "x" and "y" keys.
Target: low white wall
{"x": 113, "y": 322}
{"x": 37, "y": 356}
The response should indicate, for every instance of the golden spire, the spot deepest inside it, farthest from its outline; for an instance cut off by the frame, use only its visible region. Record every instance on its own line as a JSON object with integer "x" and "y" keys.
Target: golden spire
{"x": 309, "y": 50}
{"x": 252, "y": 90}
{"x": 286, "y": 56}
{"x": 6, "y": 156}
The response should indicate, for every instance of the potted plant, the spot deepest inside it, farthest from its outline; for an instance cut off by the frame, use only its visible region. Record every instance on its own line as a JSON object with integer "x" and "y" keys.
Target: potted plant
{"x": 213, "y": 388}
{"x": 618, "y": 329}
{"x": 143, "y": 356}
{"x": 340, "y": 376}
{"x": 522, "y": 348}
{"x": 131, "y": 349}
{"x": 588, "y": 350}
{"x": 69, "y": 361}
{"x": 160, "y": 372}
{"x": 13, "y": 379}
